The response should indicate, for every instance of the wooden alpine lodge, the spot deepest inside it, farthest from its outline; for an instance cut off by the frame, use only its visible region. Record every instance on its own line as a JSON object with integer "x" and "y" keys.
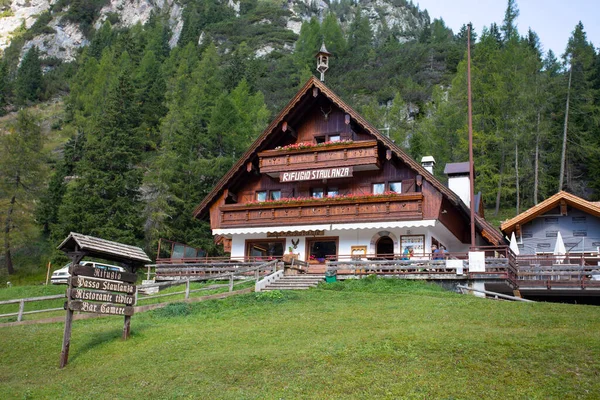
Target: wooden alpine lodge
{"x": 324, "y": 191}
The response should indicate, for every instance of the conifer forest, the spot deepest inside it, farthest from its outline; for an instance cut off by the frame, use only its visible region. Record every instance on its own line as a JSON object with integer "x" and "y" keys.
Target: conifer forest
{"x": 143, "y": 127}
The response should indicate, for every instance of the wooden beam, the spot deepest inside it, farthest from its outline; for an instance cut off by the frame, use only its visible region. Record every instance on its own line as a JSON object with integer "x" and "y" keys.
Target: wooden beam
{"x": 563, "y": 207}
{"x": 315, "y": 91}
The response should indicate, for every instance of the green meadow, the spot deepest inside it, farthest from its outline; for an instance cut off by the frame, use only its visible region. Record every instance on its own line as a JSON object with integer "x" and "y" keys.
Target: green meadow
{"x": 360, "y": 339}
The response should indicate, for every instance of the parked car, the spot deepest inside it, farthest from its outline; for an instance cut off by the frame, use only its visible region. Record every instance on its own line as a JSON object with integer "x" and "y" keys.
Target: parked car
{"x": 61, "y": 276}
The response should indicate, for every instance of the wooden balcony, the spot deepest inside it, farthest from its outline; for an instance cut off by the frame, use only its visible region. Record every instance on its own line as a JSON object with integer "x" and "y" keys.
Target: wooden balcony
{"x": 395, "y": 207}
{"x": 360, "y": 156}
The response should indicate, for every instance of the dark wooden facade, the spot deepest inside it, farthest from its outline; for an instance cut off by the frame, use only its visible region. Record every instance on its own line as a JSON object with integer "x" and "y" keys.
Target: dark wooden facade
{"x": 316, "y": 115}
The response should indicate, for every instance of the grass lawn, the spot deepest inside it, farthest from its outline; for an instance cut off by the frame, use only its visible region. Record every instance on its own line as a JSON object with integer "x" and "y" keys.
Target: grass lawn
{"x": 29, "y": 291}
{"x": 360, "y": 339}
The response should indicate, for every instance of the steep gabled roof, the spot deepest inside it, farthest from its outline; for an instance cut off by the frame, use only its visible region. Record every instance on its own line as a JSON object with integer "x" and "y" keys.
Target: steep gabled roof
{"x": 552, "y": 202}
{"x": 490, "y": 232}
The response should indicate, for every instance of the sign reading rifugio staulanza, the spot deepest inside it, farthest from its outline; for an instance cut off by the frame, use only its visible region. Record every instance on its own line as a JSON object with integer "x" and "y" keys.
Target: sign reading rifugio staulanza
{"x": 315, "y": 174}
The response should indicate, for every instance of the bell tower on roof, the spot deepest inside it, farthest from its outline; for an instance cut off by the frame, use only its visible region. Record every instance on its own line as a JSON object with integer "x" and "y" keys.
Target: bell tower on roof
{"x": 323, "y": 61}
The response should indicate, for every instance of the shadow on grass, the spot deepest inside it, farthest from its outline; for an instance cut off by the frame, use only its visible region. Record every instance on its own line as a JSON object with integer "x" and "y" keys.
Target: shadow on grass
{"x": 97, "y": 339}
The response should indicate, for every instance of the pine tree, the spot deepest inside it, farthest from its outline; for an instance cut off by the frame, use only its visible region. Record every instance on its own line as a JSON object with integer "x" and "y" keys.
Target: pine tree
{"x": 104, "y": 199}
{"x": 150, "y": 97}
{"x": 21, "y": 173}
{"x": 583, "y": 115}
{"x": 29, "y": 82}
{"x": 46, "y": 213}
{"x": 4, "y": 86}
{"x": 509, "y": 25}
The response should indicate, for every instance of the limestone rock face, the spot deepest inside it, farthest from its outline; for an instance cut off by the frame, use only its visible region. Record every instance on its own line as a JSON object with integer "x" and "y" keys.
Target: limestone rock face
{"x": 23, "y": 12}
{"x": 62, "y": 44}
{"x": 63, "y": 39}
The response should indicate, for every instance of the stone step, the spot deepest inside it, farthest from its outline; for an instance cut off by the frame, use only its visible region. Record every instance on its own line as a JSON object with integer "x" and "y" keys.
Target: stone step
{"x": 296, "y": 282}
{"x": 290, "y": 286}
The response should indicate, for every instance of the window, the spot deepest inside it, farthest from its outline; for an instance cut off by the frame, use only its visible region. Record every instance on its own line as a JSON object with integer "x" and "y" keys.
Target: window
{"x": 275, "y": 194}
{"x": 335, "y": 138}
{"x": 378, "y": 188}
{"x": 332, "y": 192}
{"x": 317, "y": 193}
{"x": 320, "y": 139}
{"x": 319, "y": 249}
{"x": 261, "y": 195}
{"x": 396, "y": 187}
{"x": 265, "y": 249}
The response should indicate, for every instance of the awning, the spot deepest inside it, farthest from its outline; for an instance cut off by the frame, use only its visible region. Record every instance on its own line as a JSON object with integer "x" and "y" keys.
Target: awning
{"x": 327, "y": 227}
{"x": 386, "y": 224}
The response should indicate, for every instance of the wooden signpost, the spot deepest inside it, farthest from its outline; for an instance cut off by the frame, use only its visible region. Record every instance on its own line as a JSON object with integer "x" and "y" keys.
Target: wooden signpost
{"x": 98, "y": 291}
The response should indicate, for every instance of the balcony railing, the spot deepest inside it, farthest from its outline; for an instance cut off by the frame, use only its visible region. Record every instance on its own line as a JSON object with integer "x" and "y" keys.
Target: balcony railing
{"x": 499, "y": 264}
{"x": 360, "y": 155}
{"x": 385, "y": 208}
{"x": 549, "y": 271}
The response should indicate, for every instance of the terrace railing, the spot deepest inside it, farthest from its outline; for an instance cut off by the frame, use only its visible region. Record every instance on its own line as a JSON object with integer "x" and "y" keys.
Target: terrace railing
{"x": 499, "y": 264}
{"x": 205, "y": 267}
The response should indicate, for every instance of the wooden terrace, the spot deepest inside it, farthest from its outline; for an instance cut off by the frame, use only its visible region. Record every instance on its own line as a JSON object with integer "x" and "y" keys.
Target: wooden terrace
{"x": 377, "y": 208}
{"x": 503, "y": 272}
{"x": 361, "y": 155}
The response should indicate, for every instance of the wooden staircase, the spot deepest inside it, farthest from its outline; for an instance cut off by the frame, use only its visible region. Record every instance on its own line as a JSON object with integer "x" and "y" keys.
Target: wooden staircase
{"x": 295, "y": 282}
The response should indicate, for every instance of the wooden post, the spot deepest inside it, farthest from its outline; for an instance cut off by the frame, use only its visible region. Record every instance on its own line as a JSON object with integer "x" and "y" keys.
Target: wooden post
{"x": 64, "y": 353}
{"x": 231, "y": 282}
{"x": 187, "y": 289}
{"x": 75, "y": 256}
{"x": 21, "y": 309}
{"x": 148, "y": 274}
{"x": 256, "y": 274}
{"x": 48, "y": 273}
{"x": 126, "y": 327}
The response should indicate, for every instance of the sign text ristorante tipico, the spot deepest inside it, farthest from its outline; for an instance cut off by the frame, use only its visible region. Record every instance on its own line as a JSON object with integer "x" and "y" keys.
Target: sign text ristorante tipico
{"x": 315, "y": 174}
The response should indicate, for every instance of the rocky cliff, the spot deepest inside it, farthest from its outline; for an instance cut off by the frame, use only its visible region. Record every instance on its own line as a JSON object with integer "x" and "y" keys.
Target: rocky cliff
{"x": 61, "y": 37}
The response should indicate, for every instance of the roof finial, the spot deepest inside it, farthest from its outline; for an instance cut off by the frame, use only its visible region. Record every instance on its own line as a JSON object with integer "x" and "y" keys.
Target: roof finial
{"x": 323, "y": 61}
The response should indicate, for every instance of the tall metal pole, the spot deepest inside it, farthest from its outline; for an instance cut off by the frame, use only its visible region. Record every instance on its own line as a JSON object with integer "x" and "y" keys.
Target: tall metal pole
{"x": 470, "y": 112}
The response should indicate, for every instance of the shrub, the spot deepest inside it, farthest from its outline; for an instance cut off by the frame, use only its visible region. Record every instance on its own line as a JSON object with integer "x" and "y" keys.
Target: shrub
{"x": 174, "y": 310}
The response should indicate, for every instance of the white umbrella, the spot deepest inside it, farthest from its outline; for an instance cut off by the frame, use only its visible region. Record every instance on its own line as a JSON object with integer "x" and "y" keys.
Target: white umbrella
{"x": 513, "y": 244}
{"x": 559, "y": 248}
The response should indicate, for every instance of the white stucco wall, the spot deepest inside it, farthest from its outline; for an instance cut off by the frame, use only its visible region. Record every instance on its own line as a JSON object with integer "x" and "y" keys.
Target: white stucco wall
{"x": 360, "y": 237}
{"x": 460, "y": 185}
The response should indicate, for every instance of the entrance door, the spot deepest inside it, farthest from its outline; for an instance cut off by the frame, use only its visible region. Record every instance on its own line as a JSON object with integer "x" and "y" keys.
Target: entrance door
{"x": 385, "y": 247}
{"x": 318, "y": 250}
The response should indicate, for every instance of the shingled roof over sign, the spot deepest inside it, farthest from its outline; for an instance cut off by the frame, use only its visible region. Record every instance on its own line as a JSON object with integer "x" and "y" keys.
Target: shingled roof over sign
{"x": 102, "y": 248}
{"x": 486, "y": 229}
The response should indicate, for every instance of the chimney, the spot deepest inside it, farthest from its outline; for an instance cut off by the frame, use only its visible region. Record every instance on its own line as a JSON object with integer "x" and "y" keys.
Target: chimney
{"x": 428, "y": 162}
{"x": 459, "y": 181}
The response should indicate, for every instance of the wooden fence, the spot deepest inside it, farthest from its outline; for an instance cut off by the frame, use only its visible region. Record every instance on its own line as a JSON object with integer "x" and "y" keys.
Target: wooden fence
{"x": 22, "y": 302}
{"x": 232, "y": 279}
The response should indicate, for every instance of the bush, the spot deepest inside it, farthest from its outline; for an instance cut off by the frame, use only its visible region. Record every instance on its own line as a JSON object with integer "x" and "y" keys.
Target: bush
{"x": 174, "y": 310}
{"x": 272, "y": 295}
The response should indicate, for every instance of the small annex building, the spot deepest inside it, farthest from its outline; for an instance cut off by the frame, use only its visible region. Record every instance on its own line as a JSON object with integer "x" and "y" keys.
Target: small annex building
{"x": 577, "y": 220}
{"x": 323, "y": 182}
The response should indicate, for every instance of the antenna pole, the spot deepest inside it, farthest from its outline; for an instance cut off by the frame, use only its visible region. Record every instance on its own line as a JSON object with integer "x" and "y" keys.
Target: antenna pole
{"x": 470, "y": 112}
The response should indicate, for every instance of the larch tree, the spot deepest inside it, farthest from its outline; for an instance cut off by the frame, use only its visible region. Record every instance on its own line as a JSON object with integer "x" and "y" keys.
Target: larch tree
{"x": 22, "y": 172}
